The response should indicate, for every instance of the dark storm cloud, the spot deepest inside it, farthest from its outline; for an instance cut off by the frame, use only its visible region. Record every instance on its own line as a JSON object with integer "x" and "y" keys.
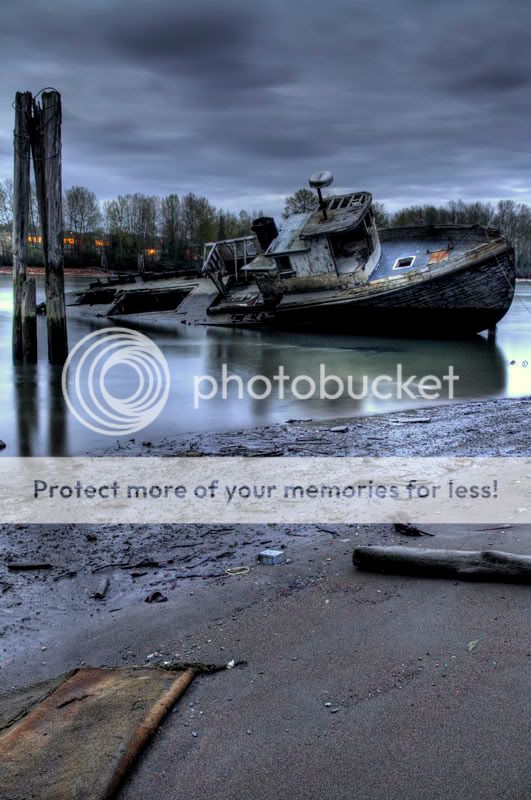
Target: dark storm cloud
{"x": 415, "y": 100}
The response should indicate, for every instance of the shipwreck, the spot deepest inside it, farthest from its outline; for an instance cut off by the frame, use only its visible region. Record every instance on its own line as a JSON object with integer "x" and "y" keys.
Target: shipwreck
{"x": 328, "y": 269}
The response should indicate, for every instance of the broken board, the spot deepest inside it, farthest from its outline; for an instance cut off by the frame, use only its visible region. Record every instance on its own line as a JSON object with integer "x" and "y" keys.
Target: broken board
{"x": 77, "y": 736}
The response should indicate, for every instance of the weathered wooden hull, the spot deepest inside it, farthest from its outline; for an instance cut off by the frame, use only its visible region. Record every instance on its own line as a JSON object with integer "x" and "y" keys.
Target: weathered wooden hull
{"x": 471, "y": 299}
{"x": 468, "y": 292}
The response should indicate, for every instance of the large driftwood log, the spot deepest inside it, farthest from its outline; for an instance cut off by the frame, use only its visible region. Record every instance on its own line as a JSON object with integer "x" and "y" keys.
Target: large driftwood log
{"x": 21, "y": 199}
{"x": 487, "y": 565}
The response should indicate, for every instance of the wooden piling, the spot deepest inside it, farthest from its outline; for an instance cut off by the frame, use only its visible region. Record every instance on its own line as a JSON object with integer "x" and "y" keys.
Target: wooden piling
{"x": 21, "y": 198}
{"x": 46, "y": 146}
{"x": 29, "y": 321}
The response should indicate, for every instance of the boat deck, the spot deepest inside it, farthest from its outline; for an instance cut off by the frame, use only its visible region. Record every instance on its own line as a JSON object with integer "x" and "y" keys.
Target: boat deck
{"x": 424, "y": 251}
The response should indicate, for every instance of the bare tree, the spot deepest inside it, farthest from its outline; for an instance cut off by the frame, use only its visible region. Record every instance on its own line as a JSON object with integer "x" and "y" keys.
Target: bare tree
{"x": 81, "y": 210}
{"x": 6, "y": 202}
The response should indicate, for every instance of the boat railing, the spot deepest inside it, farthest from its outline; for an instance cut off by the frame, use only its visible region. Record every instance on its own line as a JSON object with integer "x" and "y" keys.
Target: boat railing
{"x": 229, "y": 257}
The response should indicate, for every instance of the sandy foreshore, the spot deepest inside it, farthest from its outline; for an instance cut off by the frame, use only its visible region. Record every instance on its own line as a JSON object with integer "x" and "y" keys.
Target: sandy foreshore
{"x": 375, "y": 686}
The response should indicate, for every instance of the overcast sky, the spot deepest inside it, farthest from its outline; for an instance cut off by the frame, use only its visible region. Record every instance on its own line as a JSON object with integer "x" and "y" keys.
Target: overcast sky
{"x": 414, "y": 100}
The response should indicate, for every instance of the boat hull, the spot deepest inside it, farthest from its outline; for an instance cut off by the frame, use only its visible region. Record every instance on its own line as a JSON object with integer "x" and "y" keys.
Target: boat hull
{"x": 469, "y": 300}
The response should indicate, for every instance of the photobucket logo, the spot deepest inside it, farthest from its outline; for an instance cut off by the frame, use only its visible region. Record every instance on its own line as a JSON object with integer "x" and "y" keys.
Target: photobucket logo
{"x": 326, "y": 386}
{"x": 86, "y": 379}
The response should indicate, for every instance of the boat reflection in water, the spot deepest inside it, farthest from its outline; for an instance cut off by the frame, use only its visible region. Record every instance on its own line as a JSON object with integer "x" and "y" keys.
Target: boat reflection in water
{"x": 42, "y": 424}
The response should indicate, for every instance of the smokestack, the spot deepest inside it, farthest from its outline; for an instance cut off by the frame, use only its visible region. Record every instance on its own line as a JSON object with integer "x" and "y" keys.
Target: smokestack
{"x": 265, "y": 231}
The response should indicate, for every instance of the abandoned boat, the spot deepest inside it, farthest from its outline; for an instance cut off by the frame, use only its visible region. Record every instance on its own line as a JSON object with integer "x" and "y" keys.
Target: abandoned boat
{"x": 329, "y": 269}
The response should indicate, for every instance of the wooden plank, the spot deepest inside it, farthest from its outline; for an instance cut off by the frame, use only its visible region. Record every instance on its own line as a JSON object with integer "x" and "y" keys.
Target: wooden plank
{"x": 21, "y": 198}
{"x": 29, "y": 321}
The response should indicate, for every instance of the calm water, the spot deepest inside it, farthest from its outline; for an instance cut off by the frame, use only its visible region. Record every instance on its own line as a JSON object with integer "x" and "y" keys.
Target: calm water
{"x": 35, "y": 421}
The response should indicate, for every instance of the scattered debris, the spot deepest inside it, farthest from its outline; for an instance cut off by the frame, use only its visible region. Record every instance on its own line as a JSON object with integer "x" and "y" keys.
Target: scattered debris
{"x": 242, "y": 570}
{"x": 271, "y": 557}
{"x": 472, "y": 645}
{"x": 156, "y": 597}
{"x": 335, "y": 534}
{"x": 71, "y": 573}
{"x": 339, "y": 429}
{"x": 20, "y": 567}
{"x": 408, "y": 420}
{"x": 231, "y": 664}
{"x": 101, "y": 591}
{"x": 407, "y": 529}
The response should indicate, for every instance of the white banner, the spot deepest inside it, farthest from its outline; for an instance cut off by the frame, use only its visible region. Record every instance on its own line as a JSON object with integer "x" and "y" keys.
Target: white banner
{"x": 261, "y": 490}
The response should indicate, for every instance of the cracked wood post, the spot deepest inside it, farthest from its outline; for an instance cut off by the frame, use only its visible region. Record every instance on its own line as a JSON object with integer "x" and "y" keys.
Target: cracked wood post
{"x": 46, "y": 144}
{"x": 21, "y": 197}
{"x": 486, "y": 565}
{"x": 29, "y": 321}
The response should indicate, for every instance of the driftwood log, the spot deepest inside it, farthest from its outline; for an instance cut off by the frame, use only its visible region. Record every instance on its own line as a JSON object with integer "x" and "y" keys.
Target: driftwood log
{"x": 486, "y": 565}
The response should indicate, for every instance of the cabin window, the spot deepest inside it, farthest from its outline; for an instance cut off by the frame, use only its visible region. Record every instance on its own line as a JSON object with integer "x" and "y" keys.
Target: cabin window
{"x": 353, "y": 244}
{"x": 403, "y": 263}
{"x": 284, "y": 266}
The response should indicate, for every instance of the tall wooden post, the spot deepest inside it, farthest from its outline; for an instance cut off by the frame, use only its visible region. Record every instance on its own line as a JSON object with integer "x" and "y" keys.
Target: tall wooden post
{"x": 21, "y": 198}
{"x": 29, "y": 321}
{"x": 46, "y": 145}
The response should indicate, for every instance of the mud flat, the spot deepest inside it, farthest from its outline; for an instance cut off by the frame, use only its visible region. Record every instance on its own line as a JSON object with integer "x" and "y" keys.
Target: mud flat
{"x": 169, "y": 559}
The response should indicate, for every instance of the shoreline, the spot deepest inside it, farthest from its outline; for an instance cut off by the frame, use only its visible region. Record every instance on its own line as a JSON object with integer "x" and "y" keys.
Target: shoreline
{"x": 477, "y": 427}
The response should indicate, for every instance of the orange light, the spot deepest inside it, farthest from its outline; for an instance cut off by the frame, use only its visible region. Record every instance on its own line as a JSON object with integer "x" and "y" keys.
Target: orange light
{"x": 35, "y": 239}
{"x": 151, "y": 252}
{"x": 69, "y": 240}
{"x": 101, "y": 243}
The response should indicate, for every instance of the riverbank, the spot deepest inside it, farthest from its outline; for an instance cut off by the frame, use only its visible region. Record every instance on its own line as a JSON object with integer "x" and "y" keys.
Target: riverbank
{"x": 353, "y": 674}
{"x": 484, "y": 428}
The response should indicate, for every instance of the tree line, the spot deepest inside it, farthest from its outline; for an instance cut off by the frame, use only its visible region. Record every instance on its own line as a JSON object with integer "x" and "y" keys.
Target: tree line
{"x": 170, "y": 230}
{"x": 174, "y": 228}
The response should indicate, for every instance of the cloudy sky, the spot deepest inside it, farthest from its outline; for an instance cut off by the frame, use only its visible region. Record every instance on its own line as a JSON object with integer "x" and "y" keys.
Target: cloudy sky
{"x": 414, "y": 100}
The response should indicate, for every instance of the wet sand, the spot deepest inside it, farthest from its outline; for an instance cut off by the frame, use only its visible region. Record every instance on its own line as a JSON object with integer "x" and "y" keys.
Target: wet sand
{"x": 427, "y": 679}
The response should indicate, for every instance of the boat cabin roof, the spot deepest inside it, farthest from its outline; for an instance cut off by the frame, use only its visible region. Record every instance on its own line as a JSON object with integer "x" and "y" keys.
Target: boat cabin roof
{"x": 344, "y": 212}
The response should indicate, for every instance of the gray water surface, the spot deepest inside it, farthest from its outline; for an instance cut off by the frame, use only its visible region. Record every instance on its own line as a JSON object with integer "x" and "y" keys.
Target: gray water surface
{"x": 34, "y": 419}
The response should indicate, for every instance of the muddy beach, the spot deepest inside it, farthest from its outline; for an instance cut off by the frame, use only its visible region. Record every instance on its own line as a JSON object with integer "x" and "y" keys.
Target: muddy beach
{"x": 154, "y": 564}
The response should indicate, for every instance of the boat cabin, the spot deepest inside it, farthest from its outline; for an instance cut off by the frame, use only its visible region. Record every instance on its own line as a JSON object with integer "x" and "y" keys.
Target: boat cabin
{"x": 337, "y": 238}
